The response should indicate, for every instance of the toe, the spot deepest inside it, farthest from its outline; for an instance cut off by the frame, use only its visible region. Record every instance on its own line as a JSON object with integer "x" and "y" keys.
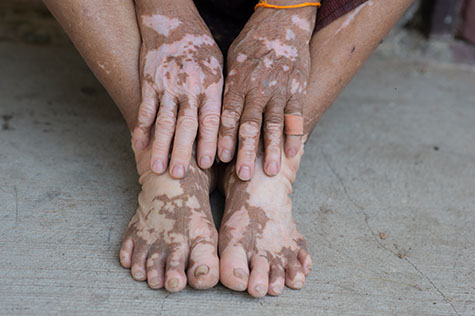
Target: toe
{"x": 203, "y": 268}
{"x": 175, "y": 278}
{"x": 234, "y": 268}
{"x": 259, "y": 279}
{"x": 156, "y": 269}
{"x": 138, "y": 261}
{"x": 125, "y": 253}
{"x": 276, "y": 280}
{"x": 305, "y": 260}
{"x": 294, "y": 276}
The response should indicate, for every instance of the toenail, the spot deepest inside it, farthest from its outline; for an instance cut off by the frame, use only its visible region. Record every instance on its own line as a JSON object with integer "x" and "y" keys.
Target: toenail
{"x": 205, "y": 161}
{"x": 260, "y": 289}
{"x": 244, "y": 173}
{"x": 138, "y": 275}
{"x": 153, "y": 282}
{"x": 298, "y": 285}
{"x": 173, "y": 283}
{"x": 201, "y": 270}
{"x": 178, "y": 171}
{"x": 239, "y": 273}
{"x": 226, "y": 155}
{"x": 272, "y": 168}
{"x": 309, "y": 268}
{"x": 276, "y": 289}
{"x": 157, "y": 166}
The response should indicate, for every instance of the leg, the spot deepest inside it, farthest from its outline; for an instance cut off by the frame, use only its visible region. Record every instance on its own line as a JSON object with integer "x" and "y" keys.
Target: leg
{"x": 173, "y": 229}
{"x": 107, "y": 37}
{"x": 257, "y": 211}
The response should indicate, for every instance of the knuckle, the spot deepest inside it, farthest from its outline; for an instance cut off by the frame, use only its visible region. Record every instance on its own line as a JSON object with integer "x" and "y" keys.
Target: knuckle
{"x": 273, "y": 127}
{"x": 230, "y": 117}
{"x": 249, "y": 129}
{"x": 187, "y": 122}
{"x": 209, "y": 120}
{"x": 166, "y": 120}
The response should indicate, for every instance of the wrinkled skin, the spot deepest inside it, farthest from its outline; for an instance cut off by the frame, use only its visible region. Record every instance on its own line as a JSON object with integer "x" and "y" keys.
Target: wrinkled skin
{"x": 172, "y": 240}
{"x": 181, "y": 75}
{"x": 259, "y": 245}
{"x": 267, "y": 71}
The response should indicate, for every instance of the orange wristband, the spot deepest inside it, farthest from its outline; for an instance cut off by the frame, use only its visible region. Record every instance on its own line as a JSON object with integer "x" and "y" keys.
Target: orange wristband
{"x": 264, "y": 4}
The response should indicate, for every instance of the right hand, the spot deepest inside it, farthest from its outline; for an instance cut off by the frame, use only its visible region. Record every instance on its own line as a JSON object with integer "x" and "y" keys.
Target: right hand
{"x": 182, "y": 82}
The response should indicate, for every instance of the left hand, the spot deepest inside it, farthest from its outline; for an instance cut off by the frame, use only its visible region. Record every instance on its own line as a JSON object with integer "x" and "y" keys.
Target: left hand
{"x": 268, "y": 69}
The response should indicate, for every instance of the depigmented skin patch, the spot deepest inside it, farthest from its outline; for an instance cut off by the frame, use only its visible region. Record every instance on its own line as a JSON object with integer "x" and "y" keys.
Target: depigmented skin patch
{"x": 173, "y": 224}
{"x": 256, "y": 212}
{"x": 272, "y": 48}
{"x": 179, "y": 60}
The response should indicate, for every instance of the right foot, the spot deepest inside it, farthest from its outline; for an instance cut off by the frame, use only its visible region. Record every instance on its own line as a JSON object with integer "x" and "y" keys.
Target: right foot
{"x": 259, "y": 245}
{"x": 172, "y": 237}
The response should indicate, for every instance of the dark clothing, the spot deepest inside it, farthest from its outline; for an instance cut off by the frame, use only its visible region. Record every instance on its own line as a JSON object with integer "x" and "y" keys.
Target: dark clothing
{"x": 226, "y": 18}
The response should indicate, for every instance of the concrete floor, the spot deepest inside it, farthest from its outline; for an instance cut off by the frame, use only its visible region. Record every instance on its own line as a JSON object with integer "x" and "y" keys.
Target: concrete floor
{"x": 385, "y": 197}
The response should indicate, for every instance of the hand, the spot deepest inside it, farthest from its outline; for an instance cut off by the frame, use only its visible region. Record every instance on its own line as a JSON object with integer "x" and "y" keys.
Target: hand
{"x": 181, "y": 75}
{"x": 268, "y": 67}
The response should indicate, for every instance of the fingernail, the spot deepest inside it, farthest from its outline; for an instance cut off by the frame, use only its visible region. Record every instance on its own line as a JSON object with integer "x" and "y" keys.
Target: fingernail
{"x": 178, "y": 171}
{"x": 291, "y": 152}
{"x": 173, "y": 283}
{"x": 244, "y": 173}
{"x": 157, "y": 166}
{"x": 205, "y": 162}
{"x": 139, "y": 144}
{"x": 260, "y": 289}
{"x": 239, "y": 273}
{"x": 272, "y": 168}
{"x": 226, "y": 155}
{"x": 298, "y": 285}
{"x": 201, "y": 270}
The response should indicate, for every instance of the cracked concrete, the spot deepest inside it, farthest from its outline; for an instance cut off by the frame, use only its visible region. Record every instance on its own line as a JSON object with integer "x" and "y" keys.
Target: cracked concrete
{"x": 385, "y": 196}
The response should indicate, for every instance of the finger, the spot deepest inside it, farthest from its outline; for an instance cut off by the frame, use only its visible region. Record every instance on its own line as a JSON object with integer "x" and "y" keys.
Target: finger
{"x": 293, "y": 122}
{"x": 273, "y": 128}
{"x": 185, "y": 134}
{"x": 249, "y": 132}
{"x": 164, "y": 130}
{"x": 208, "y": 128}
{"x": 233, "y": 104}
{"x": 146, "y": 116}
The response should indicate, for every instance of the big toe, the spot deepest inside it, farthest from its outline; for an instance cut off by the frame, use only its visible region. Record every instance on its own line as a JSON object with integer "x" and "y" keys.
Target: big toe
{"x": 203, "y": 269}
{"x": 234, "y": 268}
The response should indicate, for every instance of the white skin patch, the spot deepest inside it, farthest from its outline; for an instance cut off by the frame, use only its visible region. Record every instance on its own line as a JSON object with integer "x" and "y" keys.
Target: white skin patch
{"x": 267, "y": 61}
{"x": 232, "y": 72}
{"x": 351, "y": 16}
{"x": 289, "y": 35}
{"x": 161, "y": 24}
{"x": 286, "y": 68}
{"x": 272, "y": 83}
{"x": 295, "y": 86}
{"x": 301, "y": 23}
{"x": 280, "y": 49}
{"x": 156, "y": 65}
{"x": 241, "y": 57}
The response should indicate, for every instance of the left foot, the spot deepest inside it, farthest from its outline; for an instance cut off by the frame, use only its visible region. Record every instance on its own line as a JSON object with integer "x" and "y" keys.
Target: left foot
{"x": 259, "y": 245}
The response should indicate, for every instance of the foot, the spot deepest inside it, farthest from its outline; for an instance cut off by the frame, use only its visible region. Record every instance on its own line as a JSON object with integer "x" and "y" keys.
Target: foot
{"x": 172, "y": 237}
{"x": 259, "y": 245}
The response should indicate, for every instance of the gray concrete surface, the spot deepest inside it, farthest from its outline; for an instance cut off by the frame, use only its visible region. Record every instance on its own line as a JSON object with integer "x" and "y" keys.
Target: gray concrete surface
{"x": 385, "y": 197}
